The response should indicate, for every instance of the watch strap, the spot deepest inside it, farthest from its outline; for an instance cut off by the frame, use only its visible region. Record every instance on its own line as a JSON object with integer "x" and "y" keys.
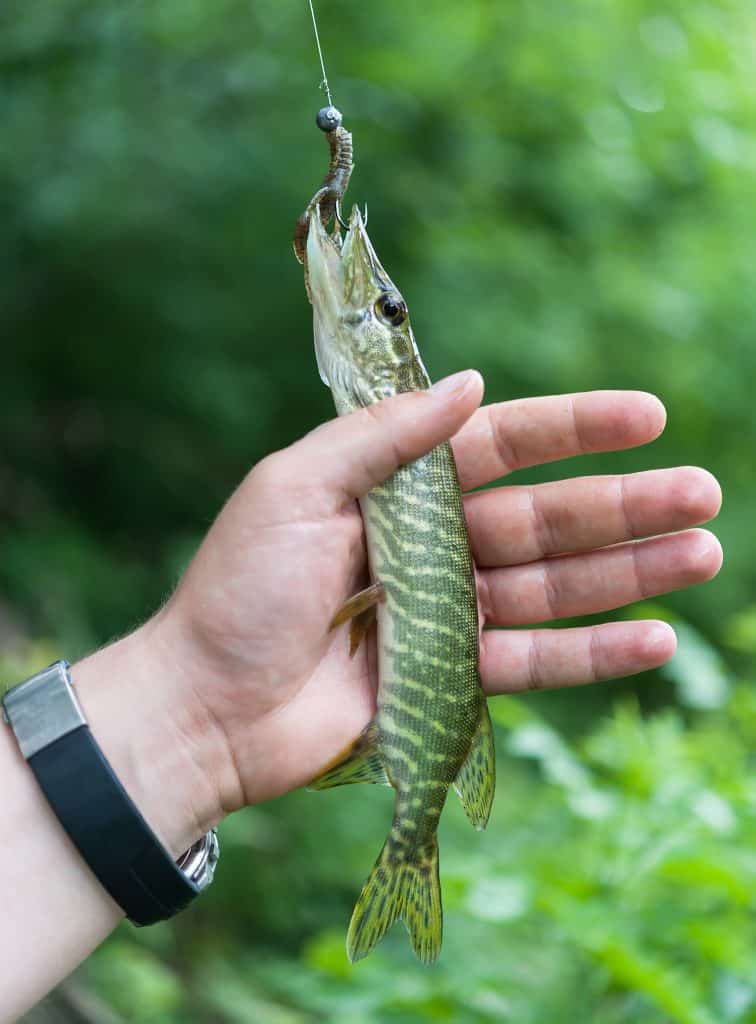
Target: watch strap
{"x": 94, "y": 808}
{"x": 108, "y": 830}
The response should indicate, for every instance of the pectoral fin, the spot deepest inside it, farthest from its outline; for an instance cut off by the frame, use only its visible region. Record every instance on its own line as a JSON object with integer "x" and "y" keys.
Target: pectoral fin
{"x": 361, "y": 610}
{"x": 476, "y": 780}
{"x": 360, "y": 762}
{"x": 359, "y": 629}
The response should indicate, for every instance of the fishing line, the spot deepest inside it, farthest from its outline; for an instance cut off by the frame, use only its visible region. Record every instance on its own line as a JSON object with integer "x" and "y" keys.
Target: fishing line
{"x": 324, "y": 83}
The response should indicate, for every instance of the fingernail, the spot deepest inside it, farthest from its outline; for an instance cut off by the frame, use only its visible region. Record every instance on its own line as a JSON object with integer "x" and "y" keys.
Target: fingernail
{"x": 456, "y": 384}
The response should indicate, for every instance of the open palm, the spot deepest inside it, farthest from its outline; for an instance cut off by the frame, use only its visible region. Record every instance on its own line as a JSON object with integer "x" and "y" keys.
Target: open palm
{"x": 288, "y": 550}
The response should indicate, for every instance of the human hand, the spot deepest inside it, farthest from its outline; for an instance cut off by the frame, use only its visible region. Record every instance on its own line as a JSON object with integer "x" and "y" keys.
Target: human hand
{"x": 257, "y": 695}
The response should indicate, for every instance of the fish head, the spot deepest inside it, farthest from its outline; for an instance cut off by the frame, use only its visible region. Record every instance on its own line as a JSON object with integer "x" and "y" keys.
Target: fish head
{"x": 363, "y": 337}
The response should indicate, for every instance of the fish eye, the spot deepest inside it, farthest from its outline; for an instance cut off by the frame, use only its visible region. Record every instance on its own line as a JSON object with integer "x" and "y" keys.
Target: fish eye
{"x": 391, "y": 309}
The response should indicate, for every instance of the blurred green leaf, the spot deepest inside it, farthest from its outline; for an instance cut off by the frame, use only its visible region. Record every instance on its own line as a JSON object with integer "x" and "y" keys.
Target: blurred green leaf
{"x": 139, "y": 985}
{"x": 564, "y": 194}
{"x": 697, "y": 670}
{"x": 741, "y": 631}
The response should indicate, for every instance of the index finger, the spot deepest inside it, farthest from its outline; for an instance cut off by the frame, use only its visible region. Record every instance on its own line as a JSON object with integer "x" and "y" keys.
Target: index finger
{"x": 501, "y": 438}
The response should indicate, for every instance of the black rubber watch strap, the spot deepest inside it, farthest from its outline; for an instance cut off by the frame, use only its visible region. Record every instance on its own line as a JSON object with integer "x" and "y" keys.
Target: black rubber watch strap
{"x": 93, "y": 807}
{"x": 108, "y": 830}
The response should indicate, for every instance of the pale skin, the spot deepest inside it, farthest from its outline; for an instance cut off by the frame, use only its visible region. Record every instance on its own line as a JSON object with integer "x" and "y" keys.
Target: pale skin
{"x": 236, "y": 692}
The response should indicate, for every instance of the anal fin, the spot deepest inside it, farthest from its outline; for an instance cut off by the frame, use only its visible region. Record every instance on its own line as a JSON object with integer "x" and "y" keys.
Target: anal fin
{"x": 360, "y": 762}
{"x": 476, "y": 780}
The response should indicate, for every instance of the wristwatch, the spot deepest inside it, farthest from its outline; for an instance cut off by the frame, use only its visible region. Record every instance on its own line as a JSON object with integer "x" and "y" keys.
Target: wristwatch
{"x": 94, "y": 808}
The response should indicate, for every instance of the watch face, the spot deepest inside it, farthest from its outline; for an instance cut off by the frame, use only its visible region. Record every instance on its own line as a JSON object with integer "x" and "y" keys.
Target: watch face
{"x": 198, "y": 863}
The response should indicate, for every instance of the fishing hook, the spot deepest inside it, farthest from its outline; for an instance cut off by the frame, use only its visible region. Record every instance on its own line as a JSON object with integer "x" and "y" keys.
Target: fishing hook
{"x": 339, "y": 218}
{"x": 344, "y": 224}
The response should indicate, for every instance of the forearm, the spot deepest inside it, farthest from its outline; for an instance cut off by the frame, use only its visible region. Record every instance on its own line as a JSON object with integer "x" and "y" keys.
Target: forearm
{"x": 55, "y": 912}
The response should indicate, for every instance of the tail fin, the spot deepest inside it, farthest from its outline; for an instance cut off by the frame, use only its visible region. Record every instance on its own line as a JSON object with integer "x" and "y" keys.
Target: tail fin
{"x": 404, "y": 889}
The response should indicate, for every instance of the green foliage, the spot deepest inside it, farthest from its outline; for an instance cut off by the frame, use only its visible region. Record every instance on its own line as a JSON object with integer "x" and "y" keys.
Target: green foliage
{"x": 615, "y": 884}
{"x": 138, "y": 984}
{"x": 564, "y": 193}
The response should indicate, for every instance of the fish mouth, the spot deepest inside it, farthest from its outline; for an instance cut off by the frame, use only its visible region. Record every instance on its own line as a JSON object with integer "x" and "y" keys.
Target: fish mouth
{"x": 344, "y": 280}
{"x": 324, "y": 271}
{"x": 346, "y": 274}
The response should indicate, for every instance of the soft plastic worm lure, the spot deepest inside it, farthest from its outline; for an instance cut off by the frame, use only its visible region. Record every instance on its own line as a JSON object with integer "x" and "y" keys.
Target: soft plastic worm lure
{"x": 331, "y": 192}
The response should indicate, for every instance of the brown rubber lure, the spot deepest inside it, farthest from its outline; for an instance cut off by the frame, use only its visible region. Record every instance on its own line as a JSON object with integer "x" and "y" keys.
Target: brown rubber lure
{"x": 336, "y": 181}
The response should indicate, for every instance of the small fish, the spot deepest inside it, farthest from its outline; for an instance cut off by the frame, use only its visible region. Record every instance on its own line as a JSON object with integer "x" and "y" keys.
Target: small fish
{"x": 432, "y": 729}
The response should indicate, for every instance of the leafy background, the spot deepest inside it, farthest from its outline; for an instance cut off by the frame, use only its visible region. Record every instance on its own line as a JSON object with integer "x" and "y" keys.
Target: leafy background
{"x": 565, "y": 192}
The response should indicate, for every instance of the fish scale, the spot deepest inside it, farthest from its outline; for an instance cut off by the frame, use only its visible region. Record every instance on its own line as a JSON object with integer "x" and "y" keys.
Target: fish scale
{"x": 422, "y": 644}
{"x": 432, "y": 729}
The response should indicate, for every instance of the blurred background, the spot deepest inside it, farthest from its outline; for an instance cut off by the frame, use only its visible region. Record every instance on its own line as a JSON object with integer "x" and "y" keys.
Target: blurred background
{"x": 564, "y": 192}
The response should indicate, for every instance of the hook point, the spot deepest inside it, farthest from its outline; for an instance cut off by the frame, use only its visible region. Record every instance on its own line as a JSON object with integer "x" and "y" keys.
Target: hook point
{"x": 339, "y": 218}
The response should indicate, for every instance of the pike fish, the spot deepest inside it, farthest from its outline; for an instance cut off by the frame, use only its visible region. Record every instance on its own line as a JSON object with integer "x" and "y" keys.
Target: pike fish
{"x": 432, "y": 729}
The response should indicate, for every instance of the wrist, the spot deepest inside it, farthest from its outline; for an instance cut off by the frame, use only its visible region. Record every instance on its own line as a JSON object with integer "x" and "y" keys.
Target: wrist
{"x": 166, "y": 753}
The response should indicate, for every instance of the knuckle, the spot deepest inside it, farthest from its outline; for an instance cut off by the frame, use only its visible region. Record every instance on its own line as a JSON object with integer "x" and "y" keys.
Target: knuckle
{"x": 578, "y": 431}
{"x": 503, "y": 445}
{"x": 625, "y": 506}
{"x": 552, "y": 590}
{"x": 485, "y": 598}
{"x": 543, "y": 523}
{"x": 595, "y": 656}
{"x": 643, "y": 587}
{"x": 535, "y": 674}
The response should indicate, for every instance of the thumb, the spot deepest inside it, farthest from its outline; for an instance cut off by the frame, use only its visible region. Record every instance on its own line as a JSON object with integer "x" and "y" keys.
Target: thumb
{"x": 348, "y": 456}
